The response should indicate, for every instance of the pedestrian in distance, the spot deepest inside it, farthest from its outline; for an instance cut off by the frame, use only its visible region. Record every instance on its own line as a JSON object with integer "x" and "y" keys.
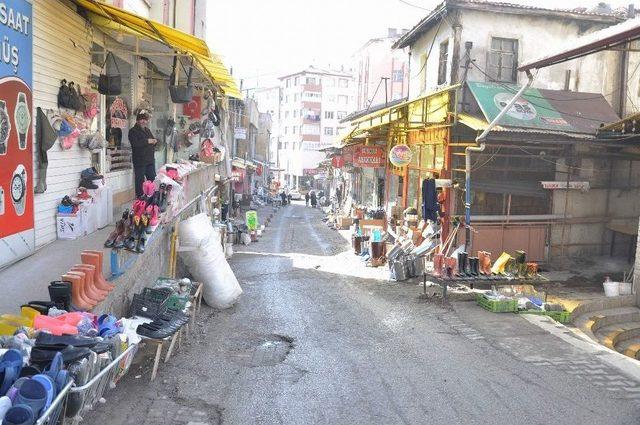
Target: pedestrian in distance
{"x": 314, "y": 200}
{"x": 142, "y": 151}
{"x": 283, "y": 196}
{"x": 306, "y": 199}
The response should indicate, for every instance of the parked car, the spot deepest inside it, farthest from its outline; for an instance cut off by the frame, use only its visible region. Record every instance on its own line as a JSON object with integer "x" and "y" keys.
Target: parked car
{"x": 295, "y": 194}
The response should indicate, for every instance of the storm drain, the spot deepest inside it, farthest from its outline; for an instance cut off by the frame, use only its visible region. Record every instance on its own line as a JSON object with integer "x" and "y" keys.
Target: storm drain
{"x": 272, "y": 351}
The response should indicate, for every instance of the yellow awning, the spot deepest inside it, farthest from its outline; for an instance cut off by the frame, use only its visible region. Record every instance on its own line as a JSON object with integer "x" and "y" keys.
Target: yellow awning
{"x": 477, "y": 124}
{"x": 113, "y": 18}
{"x": 410, "y": 115}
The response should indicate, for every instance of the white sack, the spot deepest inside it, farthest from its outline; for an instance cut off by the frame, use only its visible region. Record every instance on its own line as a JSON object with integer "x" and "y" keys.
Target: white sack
{"x": 206, "y": 261}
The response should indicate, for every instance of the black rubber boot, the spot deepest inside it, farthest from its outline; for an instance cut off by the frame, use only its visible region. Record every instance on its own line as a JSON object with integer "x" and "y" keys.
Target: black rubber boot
{"x": 60, "y": 294}
{"x": 462, "y": 263}
{"x": 474, "y": 263}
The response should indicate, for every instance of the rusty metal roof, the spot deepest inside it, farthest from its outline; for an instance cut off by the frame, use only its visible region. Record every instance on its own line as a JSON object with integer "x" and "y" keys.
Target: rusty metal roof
{"x": 504, "y": 7}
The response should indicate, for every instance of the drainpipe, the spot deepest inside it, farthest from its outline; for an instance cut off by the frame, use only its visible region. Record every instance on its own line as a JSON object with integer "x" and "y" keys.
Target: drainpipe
{"x": 481, "y": 145}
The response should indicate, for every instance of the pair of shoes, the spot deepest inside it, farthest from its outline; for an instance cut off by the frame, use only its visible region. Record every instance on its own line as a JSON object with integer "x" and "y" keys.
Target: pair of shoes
{"x": 115, "y": 239}
{"x": 163, "y": 325}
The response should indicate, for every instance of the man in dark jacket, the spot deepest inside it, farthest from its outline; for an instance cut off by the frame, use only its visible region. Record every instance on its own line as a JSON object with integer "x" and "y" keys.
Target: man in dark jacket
{"x": 142, "y": 155}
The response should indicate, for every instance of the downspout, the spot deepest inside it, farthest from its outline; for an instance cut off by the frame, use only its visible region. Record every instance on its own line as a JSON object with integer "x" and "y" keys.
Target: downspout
{"x": 481, "y": 146}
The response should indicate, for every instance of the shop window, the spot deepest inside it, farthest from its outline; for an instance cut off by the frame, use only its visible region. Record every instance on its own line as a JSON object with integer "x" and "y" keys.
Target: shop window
{"x": 502, "y": 62}
{"x": 442, "y": 63}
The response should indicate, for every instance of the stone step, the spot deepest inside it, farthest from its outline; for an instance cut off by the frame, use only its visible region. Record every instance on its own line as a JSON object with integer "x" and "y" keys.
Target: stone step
{"x": 611, "y": 335}
{"x": 603, "y": 303}
{"x": 630, "y": 347}
{"x": 590, "y": 322}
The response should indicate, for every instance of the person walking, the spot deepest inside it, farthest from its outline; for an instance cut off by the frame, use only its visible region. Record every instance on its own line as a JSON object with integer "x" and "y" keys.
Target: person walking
{"x": 314, "y": 199}
{"x": 142, "y": 151}
{"x": 306, "y": 199}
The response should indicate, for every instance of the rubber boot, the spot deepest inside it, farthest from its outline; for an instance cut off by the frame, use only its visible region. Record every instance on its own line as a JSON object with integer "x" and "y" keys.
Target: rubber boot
{"x": 450, "y": 264}
{"x": 521, "y": 263}
{"x": 77, "y": 298}
{"x": 95, "y": 258}
{"x": 90, "y": 272}
{"x": 60, "y": 294}
{"x": 473, "y": 266}
{"x": 438, "y": 263}
{"x": 94, "y": 298}
{"x": 462, "y": 263}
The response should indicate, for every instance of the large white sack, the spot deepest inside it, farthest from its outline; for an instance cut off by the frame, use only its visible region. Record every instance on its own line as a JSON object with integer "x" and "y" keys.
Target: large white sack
{"x": 206, "y": 261}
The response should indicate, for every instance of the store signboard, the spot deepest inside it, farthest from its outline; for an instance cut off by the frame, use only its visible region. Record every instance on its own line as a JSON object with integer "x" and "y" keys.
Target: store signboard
{"x": 17, "y": 237}
{"x": 240, "y": 133}
{"x": 583, "y": 186}
{"x": 337, "y": 161}
{"x": 118, "y": 112}
{"x": 369, "y": 157}
{"x": 310, "y": 171}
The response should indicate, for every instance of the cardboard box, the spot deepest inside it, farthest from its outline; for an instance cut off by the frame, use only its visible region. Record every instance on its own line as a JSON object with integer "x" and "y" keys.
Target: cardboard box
{"x": 371, "y": 222}
{"x": 344, "y": 222}
{"x": 70, "y": 226}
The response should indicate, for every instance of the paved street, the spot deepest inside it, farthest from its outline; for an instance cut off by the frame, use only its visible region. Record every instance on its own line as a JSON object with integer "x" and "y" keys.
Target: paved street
{"x": 309, "y": 344}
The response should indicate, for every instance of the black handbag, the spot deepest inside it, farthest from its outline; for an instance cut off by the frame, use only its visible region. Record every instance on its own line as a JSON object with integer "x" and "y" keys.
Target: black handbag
{"x": 181, "y": 94}
{"x": 110, "y": 84}
{"x": 64, "y": 96}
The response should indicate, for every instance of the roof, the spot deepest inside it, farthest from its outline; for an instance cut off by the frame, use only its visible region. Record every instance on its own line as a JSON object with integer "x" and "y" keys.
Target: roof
{"x": 371, "y": 109}
{"x": 315, "y": 70}
{"x": 501, "y": 7}
{"x": 542, "y": 111}
{"x": 588, "y": 44}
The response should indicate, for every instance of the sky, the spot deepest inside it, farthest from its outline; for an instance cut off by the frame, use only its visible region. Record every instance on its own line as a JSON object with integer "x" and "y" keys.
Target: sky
{"x": 264, "y": 39}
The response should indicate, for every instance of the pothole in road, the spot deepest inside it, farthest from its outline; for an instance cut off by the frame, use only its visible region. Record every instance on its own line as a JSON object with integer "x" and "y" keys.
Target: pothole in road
{"x": 272, "y": 351}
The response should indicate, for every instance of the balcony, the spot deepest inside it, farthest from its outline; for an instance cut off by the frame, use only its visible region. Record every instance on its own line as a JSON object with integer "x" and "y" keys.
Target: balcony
{"x": 312, "y": 87}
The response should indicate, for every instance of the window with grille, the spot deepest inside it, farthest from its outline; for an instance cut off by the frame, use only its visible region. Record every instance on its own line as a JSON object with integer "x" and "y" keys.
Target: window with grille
{"x": 502, "y": 63}
{"x": 442, "y": 63}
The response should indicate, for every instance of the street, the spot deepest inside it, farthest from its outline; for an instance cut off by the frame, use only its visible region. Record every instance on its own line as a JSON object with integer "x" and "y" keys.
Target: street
{"x": 307, "y": 344}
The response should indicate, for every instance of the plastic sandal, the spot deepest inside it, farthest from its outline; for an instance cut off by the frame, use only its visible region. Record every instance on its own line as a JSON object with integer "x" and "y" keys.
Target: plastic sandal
{"x": 19, "y": 414}
{"x": 10, "y": 367}
{"x": 56, "y": 327}
{"x": 34, "y": 394}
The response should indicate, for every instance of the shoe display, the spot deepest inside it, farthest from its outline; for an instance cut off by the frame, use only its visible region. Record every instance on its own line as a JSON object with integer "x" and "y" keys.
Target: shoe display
{"x": 78, "y": 298}
{"x": 60, "y": 294}
{"x": 474, "y": 266}
{"x": 89, "y": 272}
{"x": 95, "y": 259}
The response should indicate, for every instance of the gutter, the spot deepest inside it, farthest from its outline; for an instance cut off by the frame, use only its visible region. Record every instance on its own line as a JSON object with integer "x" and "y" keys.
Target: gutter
{"x": 480, "y": 140}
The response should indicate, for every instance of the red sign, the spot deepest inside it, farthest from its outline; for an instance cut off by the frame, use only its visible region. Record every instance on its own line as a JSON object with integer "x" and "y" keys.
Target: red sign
{"x": 119, "y": 113}
{"x": 193, "y": 108}
{"x": 369, "y": 157}
{"x": 310, "y": 171}
{"x": 337, "y": 161}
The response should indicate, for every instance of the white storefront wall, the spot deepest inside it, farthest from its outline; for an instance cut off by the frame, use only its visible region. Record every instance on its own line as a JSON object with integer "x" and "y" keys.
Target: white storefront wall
{"x": 62, "y": 43}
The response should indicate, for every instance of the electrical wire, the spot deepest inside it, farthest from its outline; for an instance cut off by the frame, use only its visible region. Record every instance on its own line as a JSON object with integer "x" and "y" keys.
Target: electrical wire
{"x": 426, "y": 59}
{"x": 414, "y": 5}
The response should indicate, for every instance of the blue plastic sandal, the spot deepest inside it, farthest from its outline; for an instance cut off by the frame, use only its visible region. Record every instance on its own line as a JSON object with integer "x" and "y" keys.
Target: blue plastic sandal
{"x": 10, "y": 367}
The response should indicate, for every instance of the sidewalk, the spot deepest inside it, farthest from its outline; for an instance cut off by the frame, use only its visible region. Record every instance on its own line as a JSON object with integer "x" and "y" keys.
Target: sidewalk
{"x": 27, "y": 280}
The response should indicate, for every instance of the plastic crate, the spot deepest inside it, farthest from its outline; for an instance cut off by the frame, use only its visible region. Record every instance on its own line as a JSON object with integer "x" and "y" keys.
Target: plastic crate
{"x": 497, "y": 306}
{"x": 558, "y": 316}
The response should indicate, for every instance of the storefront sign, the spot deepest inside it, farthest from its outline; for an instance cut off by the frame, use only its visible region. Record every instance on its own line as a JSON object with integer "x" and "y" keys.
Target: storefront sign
{"x": 369, "y": 157}
{"x": 237, "y": 175}
{"x": 240, "y": 133}
{"x": 259, "y": 170}
{"x": 583, "y": 186}
{"x": 118, "y": 112}
{"x": 17, "y": 237}
{"x": 337, "y": 161}
{"x": 400, "y": 155}
{"x": 310, "y": 171}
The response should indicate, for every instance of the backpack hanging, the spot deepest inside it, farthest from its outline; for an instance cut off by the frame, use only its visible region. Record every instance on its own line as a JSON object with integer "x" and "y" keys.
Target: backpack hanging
{"x": 110, "y": 84}
{"x": 64, "y": 96}
{"x": 74, "y": 99}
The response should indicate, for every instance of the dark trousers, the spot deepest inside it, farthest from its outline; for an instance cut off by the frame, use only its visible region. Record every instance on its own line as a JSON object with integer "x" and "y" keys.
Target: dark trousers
{"x": 142, "y": 171}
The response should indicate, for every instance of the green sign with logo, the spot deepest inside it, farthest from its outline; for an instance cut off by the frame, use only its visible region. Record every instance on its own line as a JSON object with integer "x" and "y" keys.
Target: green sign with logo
{"x": 532, "y": 110}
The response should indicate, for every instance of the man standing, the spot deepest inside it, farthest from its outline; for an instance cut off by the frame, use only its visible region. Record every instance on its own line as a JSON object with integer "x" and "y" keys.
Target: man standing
{"x": 142, "y": 155}
{"x": 306, "y": 198}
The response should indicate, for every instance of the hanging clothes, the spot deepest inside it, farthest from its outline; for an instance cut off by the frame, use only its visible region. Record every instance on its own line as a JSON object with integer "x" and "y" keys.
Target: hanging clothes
{"x": 430, "y": 206}
{"x": 46, "y": 136}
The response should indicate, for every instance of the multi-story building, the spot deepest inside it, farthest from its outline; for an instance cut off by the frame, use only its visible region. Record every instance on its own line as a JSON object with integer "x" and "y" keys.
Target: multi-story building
{"x": 312, "y": 103}
{"x": 382, "y": 73}
{"x": 268, "y": 100}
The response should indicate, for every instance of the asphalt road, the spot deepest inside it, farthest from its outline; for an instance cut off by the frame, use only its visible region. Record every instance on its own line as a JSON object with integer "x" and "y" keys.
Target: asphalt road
{"x": 311, "y": 343}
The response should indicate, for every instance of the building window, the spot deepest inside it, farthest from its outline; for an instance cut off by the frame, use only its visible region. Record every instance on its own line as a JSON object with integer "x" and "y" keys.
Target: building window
{"x": 328, "y": 115}
{"x": 286, "y": 99}
{"x": 331, "y": 82}
{"x": 288, "y": 82}
{"x": 397, "y": 75}
{"x": 286, "y": 145}
{"x": 343, "y": 83}
{"x": 286, "y": 130}
{"x": 296, "y": 81}
{"x": 279, "y": 145}
{"x": 311, "y": 95}
{"x": 311, "y": 80}
{"x": 343, "y": 99}
{"x": 294, "y": 128}
{"x": 295, "y": 113}
{"x": 442, "y": 63}
{"x": 502, "y": 63}
{"x": 331, "y": 98}
{"x": 341, "y": 114}
{"x": 328, "y": 131}
{"x": 295, "y": 97}
{"x": 311, "y": 129}
{"x": 286, "y": 114}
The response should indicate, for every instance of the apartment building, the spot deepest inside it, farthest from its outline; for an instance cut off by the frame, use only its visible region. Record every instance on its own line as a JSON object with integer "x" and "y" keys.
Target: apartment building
{"x": 381, "y": 73}
{"x": 312, "y": 103}
{"x": 268, "y": 101}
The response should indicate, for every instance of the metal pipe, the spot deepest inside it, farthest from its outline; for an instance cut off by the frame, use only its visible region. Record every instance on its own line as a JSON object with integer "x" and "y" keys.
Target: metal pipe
{"x": 481, "y": 146}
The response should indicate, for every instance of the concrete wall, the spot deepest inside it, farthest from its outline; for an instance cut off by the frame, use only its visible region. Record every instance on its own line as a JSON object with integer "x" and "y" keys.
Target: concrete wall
{"x": 532, "y": 32}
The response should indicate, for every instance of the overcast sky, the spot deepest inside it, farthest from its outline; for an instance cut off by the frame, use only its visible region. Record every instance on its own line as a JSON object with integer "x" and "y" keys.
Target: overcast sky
{"x": 268, "y": 38}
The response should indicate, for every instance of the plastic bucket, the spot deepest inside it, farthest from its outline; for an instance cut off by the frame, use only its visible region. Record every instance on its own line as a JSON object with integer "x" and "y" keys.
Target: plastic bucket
{"x": 625, "y": 288}
{"x": 611, "y": 289}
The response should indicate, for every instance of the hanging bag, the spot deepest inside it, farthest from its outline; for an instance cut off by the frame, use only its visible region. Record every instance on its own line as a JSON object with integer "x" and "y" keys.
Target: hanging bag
{"x": 64, "y": 95}
{"x": 74, "y": 99}
{"x": 110, "y": 84}
{"x": 181, "y": 94}
{"x": 82, "y": 101}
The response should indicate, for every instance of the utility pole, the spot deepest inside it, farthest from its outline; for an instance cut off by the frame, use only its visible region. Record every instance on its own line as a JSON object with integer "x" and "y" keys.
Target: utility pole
{"x": 386, "y": 96}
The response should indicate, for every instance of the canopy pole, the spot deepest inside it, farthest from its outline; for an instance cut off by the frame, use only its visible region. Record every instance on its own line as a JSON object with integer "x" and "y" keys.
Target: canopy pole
{"x": 481, "y": 146}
